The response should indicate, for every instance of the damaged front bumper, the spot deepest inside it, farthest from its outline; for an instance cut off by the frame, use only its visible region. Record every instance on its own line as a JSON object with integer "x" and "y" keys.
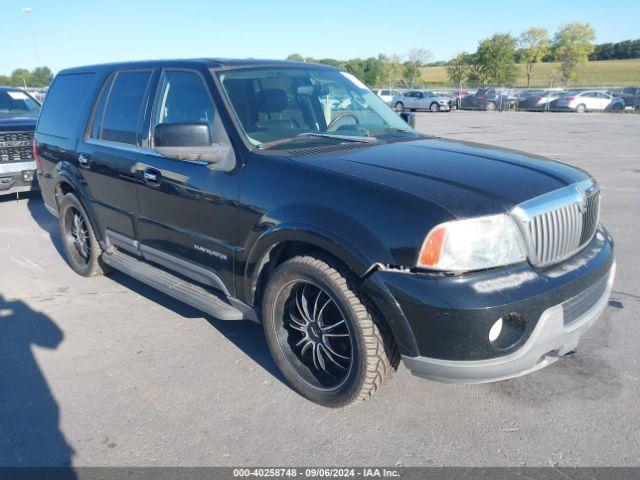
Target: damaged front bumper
{"x": 443, "y": 324}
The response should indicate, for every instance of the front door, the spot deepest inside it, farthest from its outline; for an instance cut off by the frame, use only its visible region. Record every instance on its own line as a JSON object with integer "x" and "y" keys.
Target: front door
{"x": 187, "y": 209}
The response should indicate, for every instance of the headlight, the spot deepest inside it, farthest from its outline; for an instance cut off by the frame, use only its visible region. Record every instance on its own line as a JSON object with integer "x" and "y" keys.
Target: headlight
{"x": 472, "y": 244}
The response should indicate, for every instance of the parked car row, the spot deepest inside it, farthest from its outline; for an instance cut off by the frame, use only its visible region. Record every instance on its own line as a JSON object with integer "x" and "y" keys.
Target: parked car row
{"x": 500, "y": 99}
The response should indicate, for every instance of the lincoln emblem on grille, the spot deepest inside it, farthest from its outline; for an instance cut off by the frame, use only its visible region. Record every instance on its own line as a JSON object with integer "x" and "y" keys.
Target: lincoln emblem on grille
{"x": 582, "y": 205}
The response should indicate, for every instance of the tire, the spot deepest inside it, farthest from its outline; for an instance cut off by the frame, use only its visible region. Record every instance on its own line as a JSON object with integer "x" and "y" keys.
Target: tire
{"x": 434, "y": 107}
{"x": 358, "y": 353}
{"x": 399, "y": 107}
{"x": 581, "y": 108}
{"x": 80, "y": 244}
{"x": 490, "y": 107}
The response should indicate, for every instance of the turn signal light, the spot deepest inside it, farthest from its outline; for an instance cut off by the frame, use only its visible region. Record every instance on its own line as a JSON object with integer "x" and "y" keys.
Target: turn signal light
{"x": 430, "y": 253}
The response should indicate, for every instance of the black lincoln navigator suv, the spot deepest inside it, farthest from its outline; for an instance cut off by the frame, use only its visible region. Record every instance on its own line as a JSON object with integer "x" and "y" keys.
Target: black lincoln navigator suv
{"x": 290, "y": 194}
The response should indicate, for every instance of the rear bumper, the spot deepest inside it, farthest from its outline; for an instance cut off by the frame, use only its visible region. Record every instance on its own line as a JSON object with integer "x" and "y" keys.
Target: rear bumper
{"x": 17, "y": 177}
{"x": 550, "y": 340}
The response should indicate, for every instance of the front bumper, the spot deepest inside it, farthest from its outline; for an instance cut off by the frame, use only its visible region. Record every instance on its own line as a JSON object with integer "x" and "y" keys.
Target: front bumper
{"x": 550, "y": 340}
{"x": 442, "y": 323}
{"x": 17, "y": 177}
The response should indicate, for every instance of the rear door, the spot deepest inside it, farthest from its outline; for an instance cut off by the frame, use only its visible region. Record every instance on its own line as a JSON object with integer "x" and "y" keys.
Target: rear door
{"x": 108, "y": 156}
{"x": 187, "y": 209}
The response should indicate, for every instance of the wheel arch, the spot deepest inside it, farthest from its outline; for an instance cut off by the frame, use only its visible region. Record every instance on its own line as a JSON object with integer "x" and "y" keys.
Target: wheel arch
{"x": 66, "y": 182}
{"x": 286, "y": 241}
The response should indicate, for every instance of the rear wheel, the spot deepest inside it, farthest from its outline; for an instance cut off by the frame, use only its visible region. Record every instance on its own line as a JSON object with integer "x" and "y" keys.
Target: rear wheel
{"x": 491, "y": 106}
{"x": 434, "y": 107}
{"x": 581, "y": 108}
{"x": 399, "y": 107}
{"x": 322, "y": 335}
{"x": 78, "y": 238}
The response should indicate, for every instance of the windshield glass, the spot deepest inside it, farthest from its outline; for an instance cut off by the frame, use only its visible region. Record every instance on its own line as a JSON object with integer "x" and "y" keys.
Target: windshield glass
{"x": 15, "y": 103}
{"x": 277, "y": 103}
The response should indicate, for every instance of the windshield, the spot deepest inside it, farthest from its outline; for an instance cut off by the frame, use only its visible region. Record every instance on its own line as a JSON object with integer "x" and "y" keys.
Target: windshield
{"x": 15, "y": 103}
{"x": 278, "y": 103}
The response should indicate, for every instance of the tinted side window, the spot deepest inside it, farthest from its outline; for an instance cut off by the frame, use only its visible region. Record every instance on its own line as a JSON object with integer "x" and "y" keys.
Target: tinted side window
{"x": 183, "y": 98}
{"x": 63, "y": 104}
{"x": 121, "y": 118}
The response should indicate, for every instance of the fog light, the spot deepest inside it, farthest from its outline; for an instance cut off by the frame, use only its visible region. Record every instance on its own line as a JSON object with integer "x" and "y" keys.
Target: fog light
{"x": 507, "y": 330}
{"x": 496, "y": 330}
{"x": 27, "y": 175}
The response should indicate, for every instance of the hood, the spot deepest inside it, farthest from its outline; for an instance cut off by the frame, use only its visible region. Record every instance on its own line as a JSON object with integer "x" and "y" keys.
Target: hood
{"x": 464, "y": 178}
{"x": 17, "y": 123}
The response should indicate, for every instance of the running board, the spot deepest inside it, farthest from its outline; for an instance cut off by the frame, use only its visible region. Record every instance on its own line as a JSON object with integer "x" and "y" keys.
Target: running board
{"x": 174, "y": 286}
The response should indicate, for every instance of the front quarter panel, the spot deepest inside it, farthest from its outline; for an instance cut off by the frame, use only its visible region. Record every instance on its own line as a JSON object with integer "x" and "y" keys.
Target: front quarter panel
{"x": 360, "y": 222}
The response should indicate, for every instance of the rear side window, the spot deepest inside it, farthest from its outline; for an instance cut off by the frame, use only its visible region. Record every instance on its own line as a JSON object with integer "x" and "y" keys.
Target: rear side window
{"x": 98, "y": 113}
{"x": 63, "y": 104}
{"x": 121, "y": 118}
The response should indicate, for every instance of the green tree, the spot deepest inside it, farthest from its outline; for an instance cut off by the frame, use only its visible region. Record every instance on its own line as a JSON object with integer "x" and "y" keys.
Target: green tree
{"x": 373, "y": 72}
{"x": 296, "y": 57}
{"x": 41, "y": 77}
{"x": 572, "y": 44}
{"x": 410, "y": 73}
{"x": 20, "y": 77}
{"x": 534, "y": 45}
{"x": 355, "y": 66}
{"x": 458, "y": 68}
{"x": 391, "y": 69}
{"x": 495, "y": 59}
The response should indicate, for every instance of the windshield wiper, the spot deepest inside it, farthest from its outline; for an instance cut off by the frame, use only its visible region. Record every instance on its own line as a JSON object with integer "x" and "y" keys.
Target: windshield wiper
{"x": 349, "y": 138}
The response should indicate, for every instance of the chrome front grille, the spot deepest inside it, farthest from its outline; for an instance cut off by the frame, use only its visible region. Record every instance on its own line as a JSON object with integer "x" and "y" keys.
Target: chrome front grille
{"x": 16, "y": 146}
{"x": 558, "y": 224}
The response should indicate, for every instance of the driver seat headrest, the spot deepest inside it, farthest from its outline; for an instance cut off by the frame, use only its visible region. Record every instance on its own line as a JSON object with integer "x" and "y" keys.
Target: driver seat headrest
{"x": 272, "y": 100}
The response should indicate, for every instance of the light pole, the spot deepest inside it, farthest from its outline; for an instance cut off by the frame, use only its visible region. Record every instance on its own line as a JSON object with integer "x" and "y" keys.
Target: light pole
{"x": 29, "y": 11}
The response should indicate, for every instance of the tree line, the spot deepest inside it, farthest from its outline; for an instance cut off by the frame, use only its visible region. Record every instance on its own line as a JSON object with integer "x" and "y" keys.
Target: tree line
{"x": 381, "y": 70}
{"x": 494, "y": 62}
{"x": 21, "y": 77}
{"x": 616, "y": 51}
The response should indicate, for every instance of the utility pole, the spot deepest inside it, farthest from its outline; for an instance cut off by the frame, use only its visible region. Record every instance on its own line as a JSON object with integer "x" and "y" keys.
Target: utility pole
{"x": 29, "y": 11}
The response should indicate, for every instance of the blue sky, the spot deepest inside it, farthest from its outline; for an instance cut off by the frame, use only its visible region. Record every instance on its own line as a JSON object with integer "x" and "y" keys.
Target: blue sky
{"x": 75, "y": 32}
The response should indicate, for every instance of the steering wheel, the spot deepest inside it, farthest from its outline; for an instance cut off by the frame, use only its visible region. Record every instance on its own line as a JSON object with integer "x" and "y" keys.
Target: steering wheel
{"x": 340, "y": 117}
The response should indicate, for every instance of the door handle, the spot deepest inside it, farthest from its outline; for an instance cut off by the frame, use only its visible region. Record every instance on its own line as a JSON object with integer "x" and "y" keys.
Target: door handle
{"x": 151, "y": 176}
{"x": 83, "y": 160}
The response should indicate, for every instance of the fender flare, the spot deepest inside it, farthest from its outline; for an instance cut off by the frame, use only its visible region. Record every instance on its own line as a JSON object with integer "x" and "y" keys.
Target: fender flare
{"x": 305, "y": 233}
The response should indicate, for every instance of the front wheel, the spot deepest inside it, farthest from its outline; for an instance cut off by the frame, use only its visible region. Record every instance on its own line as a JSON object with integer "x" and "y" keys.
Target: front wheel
{"x": 491, "y": 106}
{"x": 399, "y": 107}
{"x": 322, "y": 335}
{"x": 434, "y": 107}
{"x": 78, "y": 238}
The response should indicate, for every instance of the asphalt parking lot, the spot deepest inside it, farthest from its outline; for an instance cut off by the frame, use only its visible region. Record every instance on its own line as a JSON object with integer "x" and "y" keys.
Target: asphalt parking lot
{"x": 106, "y": 371}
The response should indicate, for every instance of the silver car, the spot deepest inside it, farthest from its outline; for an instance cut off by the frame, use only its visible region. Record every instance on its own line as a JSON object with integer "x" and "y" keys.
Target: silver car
{"x": 588, "y": 100}
{"x": 422, "y": 100}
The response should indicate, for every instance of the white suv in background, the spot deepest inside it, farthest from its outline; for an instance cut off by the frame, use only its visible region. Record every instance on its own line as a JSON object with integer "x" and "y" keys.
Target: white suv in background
{"x": 386, "y": 95}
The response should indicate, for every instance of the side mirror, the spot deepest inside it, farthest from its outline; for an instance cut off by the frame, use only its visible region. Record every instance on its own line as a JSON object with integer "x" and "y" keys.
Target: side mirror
{"x": 408, "y": 117}
{"x": 186, "y": 141}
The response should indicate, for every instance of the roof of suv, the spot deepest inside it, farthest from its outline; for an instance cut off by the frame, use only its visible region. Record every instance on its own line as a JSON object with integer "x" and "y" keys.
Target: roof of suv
{"x": 221, "y": 63}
